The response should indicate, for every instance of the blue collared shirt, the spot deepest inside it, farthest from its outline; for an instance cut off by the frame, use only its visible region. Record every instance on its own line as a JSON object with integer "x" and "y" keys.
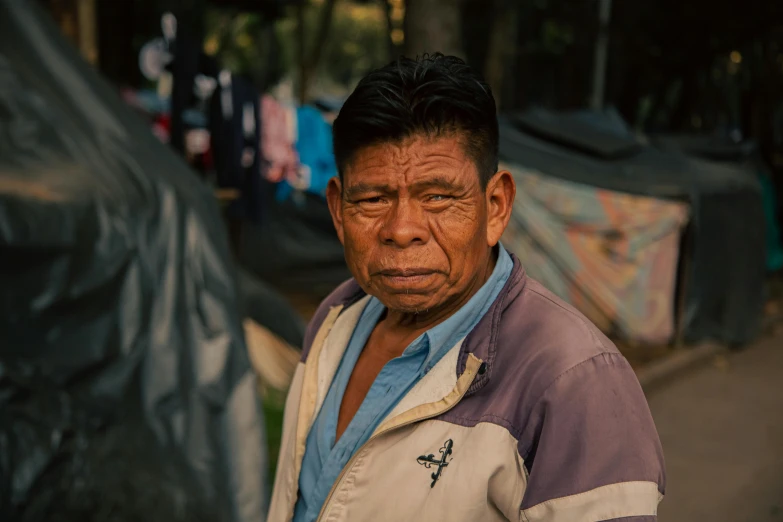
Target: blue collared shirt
{"x": 323, "y": 459}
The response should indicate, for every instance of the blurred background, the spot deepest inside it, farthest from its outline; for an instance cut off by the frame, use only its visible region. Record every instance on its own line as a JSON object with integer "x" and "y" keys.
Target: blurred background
{"x": 164, "y": 236}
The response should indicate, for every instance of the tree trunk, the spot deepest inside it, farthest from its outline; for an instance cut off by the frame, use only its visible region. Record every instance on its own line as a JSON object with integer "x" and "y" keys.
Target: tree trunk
{"x": 301, "y": 51}
{"x": 433, "y": 26}
{"x": 324, "y": 25}
{"x": 680, "y": 119}
{"x": 387, "y": 11}
{"x": 600, "y": 57}
{"x": 308, "y": 62}
{"x": 501, "y": 45}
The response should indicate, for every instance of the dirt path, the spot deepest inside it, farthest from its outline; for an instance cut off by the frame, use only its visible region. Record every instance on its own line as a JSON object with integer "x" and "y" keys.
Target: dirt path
{"x": 722, "y": 433}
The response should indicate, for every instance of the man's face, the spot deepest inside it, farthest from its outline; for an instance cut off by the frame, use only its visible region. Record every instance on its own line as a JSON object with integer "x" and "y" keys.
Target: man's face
{"x": 416, "y": 225}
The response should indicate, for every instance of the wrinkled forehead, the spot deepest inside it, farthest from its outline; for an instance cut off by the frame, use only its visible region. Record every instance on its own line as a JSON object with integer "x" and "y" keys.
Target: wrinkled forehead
{"x": 411, "y": 161}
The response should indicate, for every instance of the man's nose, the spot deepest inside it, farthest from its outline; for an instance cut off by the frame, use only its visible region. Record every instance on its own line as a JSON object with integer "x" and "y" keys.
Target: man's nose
{"x": 405, "y": 225}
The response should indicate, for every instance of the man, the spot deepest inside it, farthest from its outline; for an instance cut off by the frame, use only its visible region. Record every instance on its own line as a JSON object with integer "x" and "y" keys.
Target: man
{"x": 442, "y": 383}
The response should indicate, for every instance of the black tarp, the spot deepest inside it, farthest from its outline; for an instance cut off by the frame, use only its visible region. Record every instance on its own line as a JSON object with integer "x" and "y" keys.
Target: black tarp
{"x": 724, "y": 279}
{"x": 117, "y": 291}
{"x": 712, "y": 147}
{"x": 265, "y": 306}
{"x": 743, "y": 155}
{"x": 295, "y": 248}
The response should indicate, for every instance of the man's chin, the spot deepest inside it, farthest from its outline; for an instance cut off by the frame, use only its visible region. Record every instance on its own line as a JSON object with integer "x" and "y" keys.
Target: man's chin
{"x": 407, "y": 303}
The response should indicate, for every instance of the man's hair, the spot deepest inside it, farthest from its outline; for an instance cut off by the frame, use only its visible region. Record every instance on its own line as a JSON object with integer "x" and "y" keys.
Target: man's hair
{"x": 432, "y": 96}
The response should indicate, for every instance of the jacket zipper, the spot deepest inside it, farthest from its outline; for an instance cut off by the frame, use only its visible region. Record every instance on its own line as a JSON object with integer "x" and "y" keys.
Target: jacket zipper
{"x": 348, "y": 466}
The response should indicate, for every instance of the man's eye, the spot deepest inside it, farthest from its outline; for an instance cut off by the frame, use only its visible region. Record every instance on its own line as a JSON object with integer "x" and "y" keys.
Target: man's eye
{"x": 438, "y": 197}
{"x": 372, "y": 201}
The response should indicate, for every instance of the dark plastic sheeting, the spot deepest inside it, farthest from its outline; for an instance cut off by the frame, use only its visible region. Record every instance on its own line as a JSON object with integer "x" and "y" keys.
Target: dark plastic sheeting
{"x": 725, "y": 276}
{"x": 744, "y": 156}
{"x": 117, "y": 290}
{"x": 295, "y": 248}
{"x": 264, "y": 305}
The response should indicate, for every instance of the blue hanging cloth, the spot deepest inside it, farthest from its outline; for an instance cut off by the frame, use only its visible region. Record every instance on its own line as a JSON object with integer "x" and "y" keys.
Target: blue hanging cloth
{"x": 316, "y": 157}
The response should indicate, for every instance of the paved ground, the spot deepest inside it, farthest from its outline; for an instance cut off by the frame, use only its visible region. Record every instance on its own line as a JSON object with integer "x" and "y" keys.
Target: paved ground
{"x": 722, "y": 433}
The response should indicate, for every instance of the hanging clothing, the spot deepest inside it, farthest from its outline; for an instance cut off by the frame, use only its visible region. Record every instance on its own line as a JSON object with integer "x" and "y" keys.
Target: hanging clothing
{"x": 278, "y": 135}
{"x": 188, "y": 61}
{"x": 316, "y": 157}
{"x": 184, "y": 68}
{"x": 234, "y": 124}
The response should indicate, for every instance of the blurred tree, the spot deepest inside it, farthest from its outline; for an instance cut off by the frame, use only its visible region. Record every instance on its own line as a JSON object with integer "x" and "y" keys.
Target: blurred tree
{"x": 668, "y": 52}
{"x": 393, "y": 11}
{"x": 309, "y": 60}
{"x": 362, "y": 45}
{"x": 553, "y": 58}
{"x": 357, "y": 43}
{"x": 244, "y": 43}
{"x": 433, "y": 26}
{"x": 502, "y": 32}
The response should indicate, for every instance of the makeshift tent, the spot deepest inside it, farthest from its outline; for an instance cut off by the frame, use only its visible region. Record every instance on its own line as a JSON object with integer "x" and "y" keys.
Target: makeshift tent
{"x": 612, "y": 255}
{"x": 724, "y": 255}
{"x": 118, "y": 294}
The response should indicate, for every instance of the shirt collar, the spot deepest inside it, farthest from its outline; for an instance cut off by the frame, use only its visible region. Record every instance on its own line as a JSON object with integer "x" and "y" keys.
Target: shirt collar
{"x": 443, "y": 336}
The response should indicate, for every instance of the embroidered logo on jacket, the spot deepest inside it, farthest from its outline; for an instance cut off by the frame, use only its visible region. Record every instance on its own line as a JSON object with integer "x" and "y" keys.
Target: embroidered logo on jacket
{"x": 429, "y": 460}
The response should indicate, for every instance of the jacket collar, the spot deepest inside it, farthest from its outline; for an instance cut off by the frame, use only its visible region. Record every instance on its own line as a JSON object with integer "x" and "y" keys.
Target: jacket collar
{"x": 482, "y": 341}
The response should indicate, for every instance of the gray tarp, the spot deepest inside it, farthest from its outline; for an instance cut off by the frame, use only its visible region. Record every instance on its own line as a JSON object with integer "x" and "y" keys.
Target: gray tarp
{"x": 117, "y": 291}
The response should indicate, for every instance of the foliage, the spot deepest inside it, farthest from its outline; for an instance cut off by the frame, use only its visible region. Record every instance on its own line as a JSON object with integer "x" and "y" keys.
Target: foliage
{"x": 357, "y": 43}
{"x": 673, "y": 66}
{"x": 245, "y": 44}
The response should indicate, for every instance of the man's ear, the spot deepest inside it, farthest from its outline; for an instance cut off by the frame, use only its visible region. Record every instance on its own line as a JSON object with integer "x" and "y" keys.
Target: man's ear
{"x": 334, "y": 198}
{"x": 500, "y": 193}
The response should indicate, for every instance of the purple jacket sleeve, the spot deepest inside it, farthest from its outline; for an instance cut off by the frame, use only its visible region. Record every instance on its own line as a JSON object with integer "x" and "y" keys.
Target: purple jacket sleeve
{"x": 593, "y": 453}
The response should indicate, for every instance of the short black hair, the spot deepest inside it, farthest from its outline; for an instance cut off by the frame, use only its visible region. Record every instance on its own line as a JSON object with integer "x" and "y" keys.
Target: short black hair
{"x": 433, "y": 95}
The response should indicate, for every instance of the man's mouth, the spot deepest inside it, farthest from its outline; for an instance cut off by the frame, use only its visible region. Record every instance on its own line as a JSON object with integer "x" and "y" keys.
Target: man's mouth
{"x": 406, "y": 272}
{"x": 405, "y": 277}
